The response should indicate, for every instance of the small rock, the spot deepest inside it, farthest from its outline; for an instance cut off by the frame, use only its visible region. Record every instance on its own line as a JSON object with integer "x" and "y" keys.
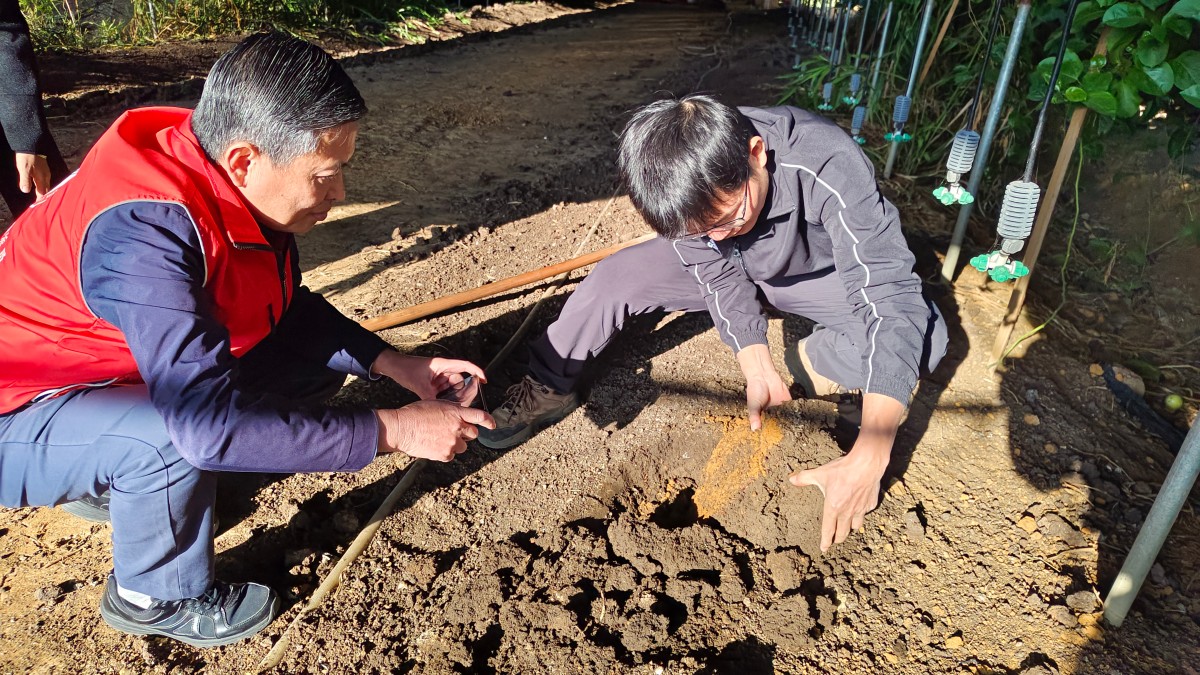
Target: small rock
{"x": 1093, "y": 633}
{"x": 48, "y": 593}
{"x": 1050, "y": 448}
{"x": 1130, "y": 379}
{"x": 954, "y": 642}
{"x": 1064, "y": 616}
{"x": 1082, "y": 602}
{"x": 1028, "y": 524}
{"x": 1032, "y": 420}
{"x": 1096, "y": 370}
{"x": 891, "y": 658}
{"x": 1157, "y": 574}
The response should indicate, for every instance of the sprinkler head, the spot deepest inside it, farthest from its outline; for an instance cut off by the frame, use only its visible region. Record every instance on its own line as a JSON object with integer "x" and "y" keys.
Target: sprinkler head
{"x": 849, "y": 100}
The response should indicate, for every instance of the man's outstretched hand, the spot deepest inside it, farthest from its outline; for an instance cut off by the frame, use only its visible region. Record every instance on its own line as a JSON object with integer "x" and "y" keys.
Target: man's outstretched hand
{"x": 435, "y": 430}
{"x": 851, "y": 483}
{"x": 425, "y": 377}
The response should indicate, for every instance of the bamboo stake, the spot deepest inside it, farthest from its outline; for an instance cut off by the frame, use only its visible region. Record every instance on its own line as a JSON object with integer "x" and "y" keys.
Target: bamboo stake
{"x": 938, "y": 42}
{"x": 409, "y": 314}
{"x": 1016, "y": 300}
{"x": 275, "y": 656}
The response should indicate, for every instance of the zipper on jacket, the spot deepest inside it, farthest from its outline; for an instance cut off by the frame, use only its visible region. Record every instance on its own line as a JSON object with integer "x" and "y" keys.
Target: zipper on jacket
{"x": 737, "y": 253}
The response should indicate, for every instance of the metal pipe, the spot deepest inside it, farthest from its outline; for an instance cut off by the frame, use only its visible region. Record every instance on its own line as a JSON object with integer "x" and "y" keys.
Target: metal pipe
{"x": 1154, "y": 531}
{"x": 819, "y": 37}
{"x": 841, "y": 49}
{"x": 912, "y": 80}
{"x": 872, "y": 95}
{"x": 985, "y": 141}
{"x": 862, "y": 33}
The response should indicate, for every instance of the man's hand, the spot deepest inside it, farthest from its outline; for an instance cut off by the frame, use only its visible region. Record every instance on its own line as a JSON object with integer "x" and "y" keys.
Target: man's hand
{"x": 764, "y": 387}
{"x": 425, "y": 377}
{"x": 33, "y": 174}
{"x": 435, "y": 430}
{"x": 851, "y": 483}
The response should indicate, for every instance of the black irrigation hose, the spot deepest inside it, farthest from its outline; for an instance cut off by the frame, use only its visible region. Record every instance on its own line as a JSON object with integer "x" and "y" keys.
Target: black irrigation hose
{"x": 1041, "y": 123}
{"x": 987, "y": 57}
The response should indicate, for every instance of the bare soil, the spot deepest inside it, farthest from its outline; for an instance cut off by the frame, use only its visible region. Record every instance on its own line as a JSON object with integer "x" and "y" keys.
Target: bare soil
{"x": 651, "y": 531}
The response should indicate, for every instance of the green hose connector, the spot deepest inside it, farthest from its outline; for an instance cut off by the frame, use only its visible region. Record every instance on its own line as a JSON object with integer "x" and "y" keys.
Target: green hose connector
{"x": 860, "y": 140}
{"x": 1003, "y": 274}
{"x": 825, "y": 106}
{"x": 980, "y": 262}
{"x": 949, "y": 196}
{"x": 898, "y": 137}
{"x": 850, "y": 100}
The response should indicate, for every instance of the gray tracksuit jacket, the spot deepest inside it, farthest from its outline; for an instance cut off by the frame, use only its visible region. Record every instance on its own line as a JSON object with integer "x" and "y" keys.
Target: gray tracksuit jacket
{"x": 823, "y": 210}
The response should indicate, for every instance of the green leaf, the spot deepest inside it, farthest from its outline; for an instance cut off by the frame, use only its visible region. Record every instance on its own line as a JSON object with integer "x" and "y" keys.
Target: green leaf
{"x": 1159, "y": 80}
{"x": 1192, "y": 95}
{"x": 1179, "y": 26}
{"x": 1129, "y": 101}
{"x": 1151, "y": 51}
{"x": 1187, "y": 69}
{"x": 1118, "y": 39}
{"x": 1037, "y": 88}
{"x": 1078, "y": 95}
{"x": 1125, "y": 15}
{"x": 1185, "y": 9}
{"x": 1152, "y": 4}
{"x": 1072, "y": 68}
{"x": 1102, "y": 102}
{"x": 1159, "y": 32}
{"x": 1086, "y": 13}
{"x": 1105, "y": 3}
{"x": 1094, "y": 82}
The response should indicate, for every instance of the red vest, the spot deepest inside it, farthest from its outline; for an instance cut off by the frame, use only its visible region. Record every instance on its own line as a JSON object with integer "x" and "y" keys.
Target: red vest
{"x": 50, "y": 342}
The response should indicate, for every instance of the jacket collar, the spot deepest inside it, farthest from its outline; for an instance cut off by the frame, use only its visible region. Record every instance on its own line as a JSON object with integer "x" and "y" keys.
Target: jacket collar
{"x": 236, "y": 219}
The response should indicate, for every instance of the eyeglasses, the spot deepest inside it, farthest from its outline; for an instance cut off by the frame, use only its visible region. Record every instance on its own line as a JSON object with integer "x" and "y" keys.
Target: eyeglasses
{"x": 727, "y": 226}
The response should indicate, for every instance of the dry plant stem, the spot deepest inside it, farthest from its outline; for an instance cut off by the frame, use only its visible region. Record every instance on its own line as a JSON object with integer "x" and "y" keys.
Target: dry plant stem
{"x": 937, "y": 43}
{"x": 275, "y": 656}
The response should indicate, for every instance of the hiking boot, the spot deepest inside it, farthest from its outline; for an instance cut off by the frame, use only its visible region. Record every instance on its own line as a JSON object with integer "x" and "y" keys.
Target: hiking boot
{"x": 529, "y": 406}
{"x": 226, "y": 613}
{"x": 812, "y": 383}
{"x": 92, "y": 509}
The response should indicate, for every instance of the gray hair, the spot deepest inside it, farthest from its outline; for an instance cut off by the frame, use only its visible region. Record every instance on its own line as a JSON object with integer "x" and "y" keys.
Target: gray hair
{"x": 278, "y": 92}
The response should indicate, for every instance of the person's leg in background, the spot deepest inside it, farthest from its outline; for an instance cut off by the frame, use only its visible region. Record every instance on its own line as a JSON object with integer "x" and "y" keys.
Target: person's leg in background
{"x": 831, "y": 358}
{"x": 643, "y": 278}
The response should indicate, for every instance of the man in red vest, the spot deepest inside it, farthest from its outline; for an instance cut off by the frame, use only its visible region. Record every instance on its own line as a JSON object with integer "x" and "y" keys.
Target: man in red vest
{"x": 153, "y": 330}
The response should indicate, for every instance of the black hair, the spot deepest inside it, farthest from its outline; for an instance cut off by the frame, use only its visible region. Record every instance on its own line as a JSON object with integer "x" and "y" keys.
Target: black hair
{"x": 278, "y": 92}
{"x": 680, "y": 158}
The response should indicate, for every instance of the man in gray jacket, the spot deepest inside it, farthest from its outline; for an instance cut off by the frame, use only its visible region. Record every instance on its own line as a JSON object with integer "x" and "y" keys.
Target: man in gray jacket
{"x": 756, "y": 206}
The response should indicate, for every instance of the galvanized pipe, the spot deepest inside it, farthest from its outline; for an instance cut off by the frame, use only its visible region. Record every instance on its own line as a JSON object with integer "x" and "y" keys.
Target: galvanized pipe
{"x": 872, "y": 95}
{"x": 1154, "y": 531}
{"x": 862, "y": 33}
{"x": 986, "y": 136}
{"x": 912, "y": 80}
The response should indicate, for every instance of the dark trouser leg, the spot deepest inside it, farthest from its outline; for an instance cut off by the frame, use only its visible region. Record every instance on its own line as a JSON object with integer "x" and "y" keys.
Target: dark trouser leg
{"x": 637, "y": 280}
{"x": 10, "y": 186}
{"x": 112, "y": 439}
{"x": 837, "y": 350}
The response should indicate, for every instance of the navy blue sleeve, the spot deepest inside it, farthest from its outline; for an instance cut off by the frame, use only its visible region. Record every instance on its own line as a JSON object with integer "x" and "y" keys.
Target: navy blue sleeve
{"x": 141, "y": 270}
{"x": 333, "y": 338}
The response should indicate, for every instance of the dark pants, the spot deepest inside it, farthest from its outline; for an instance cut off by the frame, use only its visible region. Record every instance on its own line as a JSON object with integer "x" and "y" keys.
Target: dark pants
{"x": 648, "y": 277}
{"x": 112, "y": 438}
{"x": 10, "y": 182}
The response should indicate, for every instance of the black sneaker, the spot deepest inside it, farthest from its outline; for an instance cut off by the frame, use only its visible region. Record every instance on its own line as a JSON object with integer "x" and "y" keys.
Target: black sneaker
{"x": 93, "y": 509}
{"x": 226, "y": 613}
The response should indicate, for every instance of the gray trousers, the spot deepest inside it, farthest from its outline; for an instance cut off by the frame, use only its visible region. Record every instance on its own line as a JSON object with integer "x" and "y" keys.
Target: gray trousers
{"x": 90, "y": 441}
{"x": 648, "y": 277}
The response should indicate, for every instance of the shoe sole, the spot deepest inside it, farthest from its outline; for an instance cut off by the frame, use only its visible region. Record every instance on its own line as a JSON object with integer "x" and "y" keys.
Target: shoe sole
{"x": 523, "y": 435}
{"x": 137, "y": 629}
{"x": 92, "y": 514}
